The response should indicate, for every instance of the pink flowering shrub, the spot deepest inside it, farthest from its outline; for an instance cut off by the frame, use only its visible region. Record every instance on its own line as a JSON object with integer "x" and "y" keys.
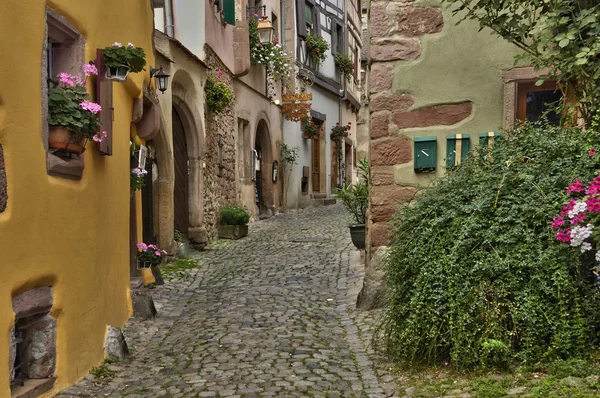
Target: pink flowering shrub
{"x": 576, "y": 224}
{"x": 148, "y": 253}
{"x": 69, "y": 105}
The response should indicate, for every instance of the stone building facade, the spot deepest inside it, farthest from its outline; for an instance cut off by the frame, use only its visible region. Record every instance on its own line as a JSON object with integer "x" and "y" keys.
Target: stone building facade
{"x": 434, "y": 86}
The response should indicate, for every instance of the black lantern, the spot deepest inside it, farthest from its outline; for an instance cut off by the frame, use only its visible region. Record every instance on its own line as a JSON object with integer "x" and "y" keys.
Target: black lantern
{"x": 161, "y": 77}
{"x": 265, "y": 30}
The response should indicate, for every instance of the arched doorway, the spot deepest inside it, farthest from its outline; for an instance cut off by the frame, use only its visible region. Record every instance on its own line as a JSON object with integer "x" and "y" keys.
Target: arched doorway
{"x": 263, "y": 184}
{"x": 181, "y": 190}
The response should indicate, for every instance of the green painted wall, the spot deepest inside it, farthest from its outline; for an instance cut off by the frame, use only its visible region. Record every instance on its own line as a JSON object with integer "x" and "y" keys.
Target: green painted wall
{"x": 458, "y": 64}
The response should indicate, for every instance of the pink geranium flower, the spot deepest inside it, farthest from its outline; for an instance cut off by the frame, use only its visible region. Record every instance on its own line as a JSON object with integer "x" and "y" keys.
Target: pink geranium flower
{"x": 90, "y": 69}
{"x": 66, "y": 78}
{"x": 157, "y": 253}
{"x": 99, "y": 137}
{"x": 91, "y": 106}
{"x": 592, "y": 152}
{"x": 558, "y": 222}
{"x": 564, "y": 235}
{"x": 142, "y": 246}
{"x": 576, "y": 186}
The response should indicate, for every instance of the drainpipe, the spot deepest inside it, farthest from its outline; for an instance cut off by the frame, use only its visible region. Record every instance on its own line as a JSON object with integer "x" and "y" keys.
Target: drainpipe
{"x": 169, "y": 19}
{"x": 342, "y": 168}
{"x": 282, "y": 19}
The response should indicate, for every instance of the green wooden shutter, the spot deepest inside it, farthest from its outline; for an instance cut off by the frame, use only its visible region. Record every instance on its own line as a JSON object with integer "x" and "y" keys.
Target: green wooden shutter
{"x": 229, "y": 11}
{"x": 484, "y": 138}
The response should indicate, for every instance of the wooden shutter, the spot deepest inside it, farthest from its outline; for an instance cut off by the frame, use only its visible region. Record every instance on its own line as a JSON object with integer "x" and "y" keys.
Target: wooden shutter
{"x": 316, "y": 20}
{"x": 339, "y": 38}
{"x": 334, "y": 48}
{"x": 301, "y": 17}
{"x": 229, "y": 11}
{"x": 104, "y": 99}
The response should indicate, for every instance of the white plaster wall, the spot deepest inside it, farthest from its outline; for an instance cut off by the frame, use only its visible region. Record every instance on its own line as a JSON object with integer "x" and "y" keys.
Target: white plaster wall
{"x": 188, "y": 17}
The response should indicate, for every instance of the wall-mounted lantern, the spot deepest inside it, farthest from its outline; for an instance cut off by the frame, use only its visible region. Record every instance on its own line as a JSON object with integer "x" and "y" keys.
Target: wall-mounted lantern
{"x": 162, "y": 78}
{"x": 265, "y": 27}
{"x": 265, "y": 30}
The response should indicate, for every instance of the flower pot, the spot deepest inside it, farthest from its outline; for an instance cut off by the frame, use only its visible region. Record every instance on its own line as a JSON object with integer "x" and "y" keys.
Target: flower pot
{"x": 357, "y": 233}
{"x": 117, "y": 73}
{"x": 144, "y": 264}
{"x": 233, "y": 231}
{"x": 60, "y": 137}
{"x": 147, "y": 275}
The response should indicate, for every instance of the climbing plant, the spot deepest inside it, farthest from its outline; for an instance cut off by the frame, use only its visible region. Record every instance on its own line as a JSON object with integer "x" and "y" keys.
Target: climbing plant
{"x": 289, "y": 157}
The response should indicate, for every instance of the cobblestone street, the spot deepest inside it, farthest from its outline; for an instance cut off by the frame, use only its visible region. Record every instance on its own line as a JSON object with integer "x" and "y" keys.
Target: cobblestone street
{"x": 272, "y": 314}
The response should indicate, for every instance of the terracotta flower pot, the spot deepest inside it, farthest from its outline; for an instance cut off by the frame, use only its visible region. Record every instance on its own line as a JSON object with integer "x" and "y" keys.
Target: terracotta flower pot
{"x": 60, "y": 137}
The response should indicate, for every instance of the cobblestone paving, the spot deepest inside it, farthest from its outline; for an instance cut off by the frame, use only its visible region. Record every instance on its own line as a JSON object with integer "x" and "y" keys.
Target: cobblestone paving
{"x": 263, "y": 316}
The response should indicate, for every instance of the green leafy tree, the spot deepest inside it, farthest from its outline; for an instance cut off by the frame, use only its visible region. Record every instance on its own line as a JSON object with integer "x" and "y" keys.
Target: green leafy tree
{"x": 560, "y": 35}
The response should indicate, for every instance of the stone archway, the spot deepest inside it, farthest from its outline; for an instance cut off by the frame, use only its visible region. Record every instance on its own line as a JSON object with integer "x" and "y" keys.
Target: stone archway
{"x": 264, "y": 186}
{"x": 188, "y": 114}
{"x": 186, "y": 110}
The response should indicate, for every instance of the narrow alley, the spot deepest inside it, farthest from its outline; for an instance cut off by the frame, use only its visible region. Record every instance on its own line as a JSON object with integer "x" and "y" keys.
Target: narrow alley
{"x": 268, "y": 315}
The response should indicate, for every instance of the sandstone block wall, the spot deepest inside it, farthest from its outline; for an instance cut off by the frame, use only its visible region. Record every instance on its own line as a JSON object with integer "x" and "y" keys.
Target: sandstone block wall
{"x": 428, "y": 77}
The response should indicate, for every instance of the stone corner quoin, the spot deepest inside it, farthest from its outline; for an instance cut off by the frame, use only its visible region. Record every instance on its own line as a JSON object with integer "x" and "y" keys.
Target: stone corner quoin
{"x": 396, "y": 27}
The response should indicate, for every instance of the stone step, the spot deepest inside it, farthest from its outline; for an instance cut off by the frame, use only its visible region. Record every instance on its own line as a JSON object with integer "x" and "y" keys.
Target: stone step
{"x": 324, "y": 202}
{"x": 318, "y": 195}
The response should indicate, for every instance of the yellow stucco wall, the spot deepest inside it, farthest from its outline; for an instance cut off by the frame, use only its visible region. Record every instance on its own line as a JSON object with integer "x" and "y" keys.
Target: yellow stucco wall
{"x": 73, "y": 235}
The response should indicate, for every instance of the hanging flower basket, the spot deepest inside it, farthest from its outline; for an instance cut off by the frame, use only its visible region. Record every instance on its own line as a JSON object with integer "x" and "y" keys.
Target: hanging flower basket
{"x": 339, "y": 132}
{"x": 117, "y": 73}
{"x": 144, "y": 264}
{"x": 60, "y": 137}
{"x": 120, "y": 60}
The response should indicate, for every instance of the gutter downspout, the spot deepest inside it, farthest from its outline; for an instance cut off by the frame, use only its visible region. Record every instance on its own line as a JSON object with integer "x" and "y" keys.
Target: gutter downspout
{"x": 343, "y": 94}
{"x": 169, "y": 27}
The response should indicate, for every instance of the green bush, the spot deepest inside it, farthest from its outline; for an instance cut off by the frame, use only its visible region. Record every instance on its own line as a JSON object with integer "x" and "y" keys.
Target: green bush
{"x": 234, "y": 215}
{"x": 476, "y": 276}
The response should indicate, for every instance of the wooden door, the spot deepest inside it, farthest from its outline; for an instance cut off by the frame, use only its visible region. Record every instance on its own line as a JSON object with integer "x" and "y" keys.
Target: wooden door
{"x": 181, "y": 195}
{"x": 316, "y": 164}
{"x": 147, "y": 206}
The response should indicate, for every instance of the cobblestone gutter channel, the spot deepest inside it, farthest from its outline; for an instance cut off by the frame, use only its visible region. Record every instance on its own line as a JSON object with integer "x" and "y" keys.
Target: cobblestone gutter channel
{"x": 260, "y": 317}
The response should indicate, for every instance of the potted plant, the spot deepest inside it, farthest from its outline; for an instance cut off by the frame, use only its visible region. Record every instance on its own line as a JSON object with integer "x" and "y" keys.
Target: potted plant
{"x": 338, "y": 131}
{"x": 233, "y": 222}
{"x": 317, "y": 48}
{"x": 310, "y": 130}
{"x": 72, "y": 117}
{"x": 137, "y": 179}
{"x": 119, "y": 60}
{"x": 345, "y": 64}
{"x": 218, "y": 94}
{"x": 148, "y": 256}
{"x": 356, "y": 199}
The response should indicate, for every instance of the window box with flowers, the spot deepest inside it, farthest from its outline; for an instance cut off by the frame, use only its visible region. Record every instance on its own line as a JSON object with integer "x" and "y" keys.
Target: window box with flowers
{"x": 338, "y": 131}
{"x": 121, "y": 60}
{"x": 310, "y": 130}
{"x": 316, "y": 48}
{"x": 345, "y": 64}
{"x": 72, "y": 117}
{"x": 218, "y": 94}
{"x": 271, "y": 56}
